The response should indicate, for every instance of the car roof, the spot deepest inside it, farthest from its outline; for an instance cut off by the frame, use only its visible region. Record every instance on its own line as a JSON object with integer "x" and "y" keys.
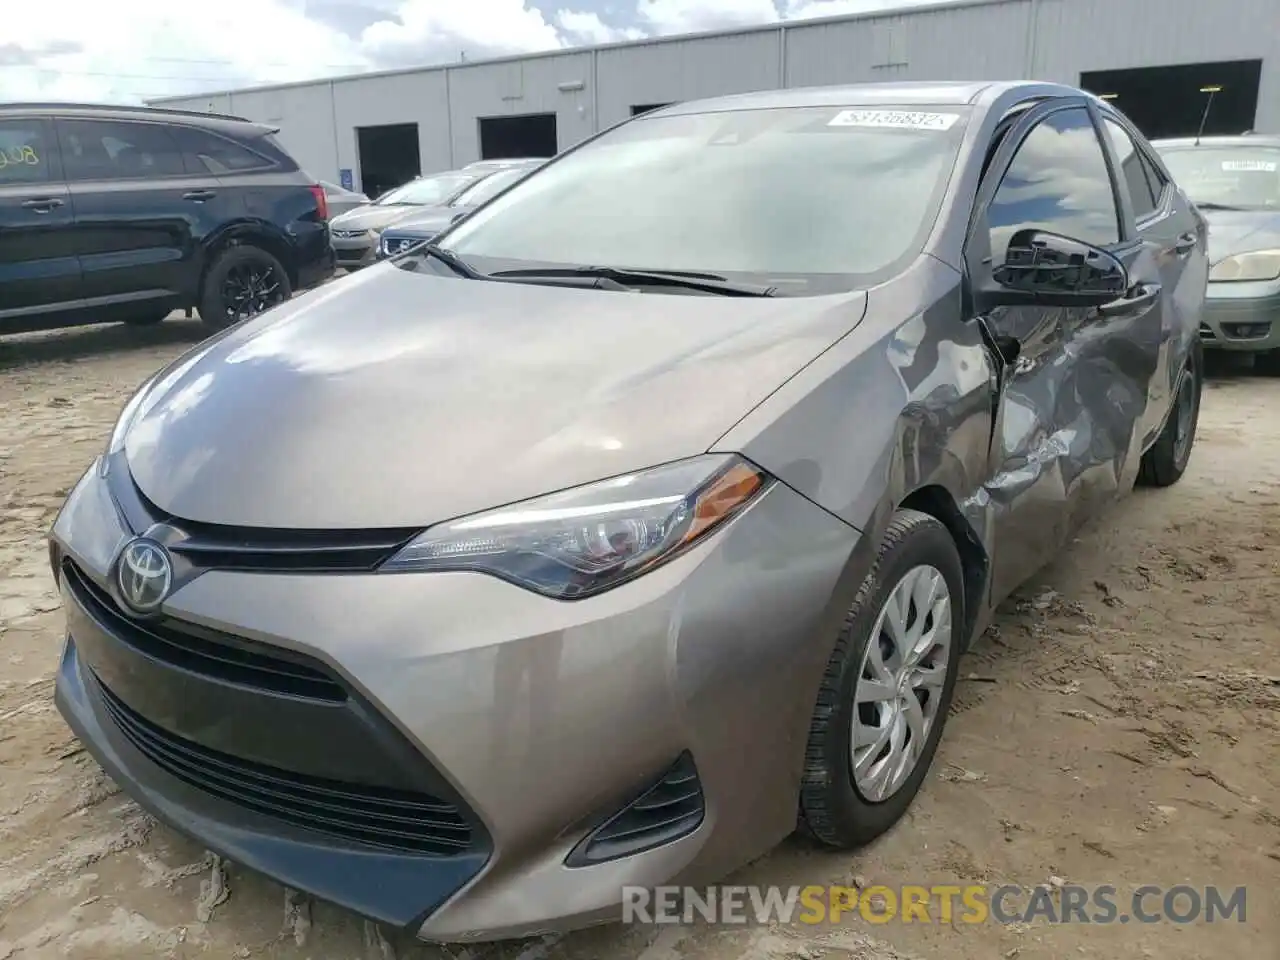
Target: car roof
{"x": 1236, "y": 140}
{"x": 226, "y": 123}
{"x": 898, "y": 93}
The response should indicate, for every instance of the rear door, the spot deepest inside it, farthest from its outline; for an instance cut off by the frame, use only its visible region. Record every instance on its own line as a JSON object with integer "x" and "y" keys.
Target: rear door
{"x": 38, "y": 266}
{"x": 139, "y": 210}
{"x": 1074, "y": 381}
{"x": 1173, "y": 244}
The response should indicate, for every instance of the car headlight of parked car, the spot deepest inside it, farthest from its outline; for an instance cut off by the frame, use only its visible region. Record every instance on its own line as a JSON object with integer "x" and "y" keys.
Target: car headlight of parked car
{"x": 580, "y": 542}
{"x": 391, "y": 246}
{"x": 1242, "y": 267}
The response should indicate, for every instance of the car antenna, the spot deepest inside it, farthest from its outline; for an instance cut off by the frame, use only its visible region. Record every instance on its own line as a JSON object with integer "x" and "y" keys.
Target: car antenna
{"x": 1204, "y": 117}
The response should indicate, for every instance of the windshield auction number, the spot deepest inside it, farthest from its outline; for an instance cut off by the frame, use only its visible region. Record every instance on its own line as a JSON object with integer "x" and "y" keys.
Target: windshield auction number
{"x": 19, "y": 155}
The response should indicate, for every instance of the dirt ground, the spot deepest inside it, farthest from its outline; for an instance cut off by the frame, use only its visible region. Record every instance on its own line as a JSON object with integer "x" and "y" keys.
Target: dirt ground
{"x": 1119, "y": 725}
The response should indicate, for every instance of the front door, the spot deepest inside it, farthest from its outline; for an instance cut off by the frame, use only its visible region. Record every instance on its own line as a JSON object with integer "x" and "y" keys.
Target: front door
{"x": 1074, "y": 381}
{"x": 39, "y": 272}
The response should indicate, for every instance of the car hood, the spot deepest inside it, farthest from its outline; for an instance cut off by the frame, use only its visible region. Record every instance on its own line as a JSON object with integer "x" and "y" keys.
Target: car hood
{"x": 428, "y": 221}
{"x": 372, "y": 217}
{"x": 423, "y": 398}
{"x": 1241, "y": 231}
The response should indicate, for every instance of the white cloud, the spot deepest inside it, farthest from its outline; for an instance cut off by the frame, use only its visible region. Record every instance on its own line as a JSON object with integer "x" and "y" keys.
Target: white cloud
{"x": 689, "y": 16}
{"x": 130, "y": 50}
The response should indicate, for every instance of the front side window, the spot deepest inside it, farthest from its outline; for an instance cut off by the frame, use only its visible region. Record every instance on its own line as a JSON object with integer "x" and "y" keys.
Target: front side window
{"x": 24, "y": 152}
{"x": 425, "y": 191}
{"x": 813, "y": 199}
{"x": 118, "y": 150}
{"x": 1144, "y": 194}
{"x": 1244, "y": 177}
{"x": 1058, "y": 182}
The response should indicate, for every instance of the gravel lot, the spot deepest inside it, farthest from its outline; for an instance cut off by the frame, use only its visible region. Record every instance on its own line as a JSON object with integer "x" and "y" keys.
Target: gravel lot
{"x": 1120, "y": 724}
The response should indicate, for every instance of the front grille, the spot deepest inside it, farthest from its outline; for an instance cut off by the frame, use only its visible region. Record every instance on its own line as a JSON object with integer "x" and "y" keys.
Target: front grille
{"x": 204, "y": 651}
{"x": 373, "y": 816}
{"x": 209, "y": 546}
{"x": 666, "y": 811}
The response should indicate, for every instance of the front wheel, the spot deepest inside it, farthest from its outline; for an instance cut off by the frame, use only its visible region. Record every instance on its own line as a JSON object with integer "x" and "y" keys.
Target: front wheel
{"x": 1165, "y": 463}
{"x": 241, "y": 283}
{"x": 887, "y": 688}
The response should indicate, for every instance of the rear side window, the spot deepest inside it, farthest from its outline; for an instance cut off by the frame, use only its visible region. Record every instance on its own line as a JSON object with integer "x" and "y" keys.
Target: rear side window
{"x": 1133, "y": 167}
{"x": 117, "y": 150}
{"x": 209, "y": 153}
{"x": 1058, "y": 182}
{"x": 24, "y": 152}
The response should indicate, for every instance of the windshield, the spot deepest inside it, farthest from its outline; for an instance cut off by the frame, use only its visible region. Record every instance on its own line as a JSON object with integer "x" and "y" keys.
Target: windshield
{"x": 490, "y": 186}
{"x": 811, "y": 199}
{"x": 426, "y": 191}
{"x": 1244, "y": 176}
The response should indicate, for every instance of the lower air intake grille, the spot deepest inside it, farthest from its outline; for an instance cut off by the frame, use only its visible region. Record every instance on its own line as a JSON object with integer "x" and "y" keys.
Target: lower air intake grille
{"x": 371, "y": 816}
{"x": 668, "y": 810}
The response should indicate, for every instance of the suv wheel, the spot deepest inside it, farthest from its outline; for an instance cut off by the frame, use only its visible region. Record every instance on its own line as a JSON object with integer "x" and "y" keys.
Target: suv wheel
{"x": 887, "y": 689}
{"x": 242, "y": 282}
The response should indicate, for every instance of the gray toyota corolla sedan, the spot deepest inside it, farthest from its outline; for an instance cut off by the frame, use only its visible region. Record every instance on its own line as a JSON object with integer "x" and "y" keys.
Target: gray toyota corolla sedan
{"x": 645, "y": 512}
{"x": 1236, "y": 182}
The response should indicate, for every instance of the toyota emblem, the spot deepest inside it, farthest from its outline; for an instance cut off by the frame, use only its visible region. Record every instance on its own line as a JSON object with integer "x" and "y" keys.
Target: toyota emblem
{"x": 144, "y": 575}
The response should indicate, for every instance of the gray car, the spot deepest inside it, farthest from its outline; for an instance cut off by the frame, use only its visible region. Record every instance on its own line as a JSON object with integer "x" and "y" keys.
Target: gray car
{"x": 652, "y": 509}
{"x": 1236, "y": 182}
{"x": 339, "y": 199}
{"x": 355, "y": 233}
{"x": 430, "y": 221}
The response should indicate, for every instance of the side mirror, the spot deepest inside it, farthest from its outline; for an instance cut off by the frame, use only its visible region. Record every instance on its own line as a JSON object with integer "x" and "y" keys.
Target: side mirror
{"x": 1046, "y": 269}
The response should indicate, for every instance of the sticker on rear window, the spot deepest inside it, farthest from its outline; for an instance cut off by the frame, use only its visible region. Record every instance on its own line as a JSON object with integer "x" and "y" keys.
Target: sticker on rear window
{"x": 1258, "y": 166}
{"x": 908, "y": 119}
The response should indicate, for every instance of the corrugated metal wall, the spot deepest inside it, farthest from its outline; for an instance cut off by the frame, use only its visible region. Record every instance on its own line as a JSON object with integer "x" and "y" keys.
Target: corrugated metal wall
{"x": 592, "y": 89}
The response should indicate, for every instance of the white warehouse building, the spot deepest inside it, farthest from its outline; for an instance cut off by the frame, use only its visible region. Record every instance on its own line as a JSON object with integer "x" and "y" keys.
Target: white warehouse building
{"x": 1162, "y": 61}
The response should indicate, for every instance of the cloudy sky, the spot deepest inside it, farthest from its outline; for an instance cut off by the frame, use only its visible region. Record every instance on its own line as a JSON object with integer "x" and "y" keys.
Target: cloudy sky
{"x": 130, "y": 50}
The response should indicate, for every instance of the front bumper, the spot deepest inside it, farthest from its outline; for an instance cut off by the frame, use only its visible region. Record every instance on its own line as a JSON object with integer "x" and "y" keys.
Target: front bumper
{"x": 352, "y": 253}
{"x": 1241, "y": 317}
{"x": 534, "y": 721}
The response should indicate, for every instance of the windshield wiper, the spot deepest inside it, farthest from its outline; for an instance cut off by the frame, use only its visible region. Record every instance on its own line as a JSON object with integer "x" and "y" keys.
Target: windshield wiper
{"x": 707, "y": 282}
{"x": 1210, "y": 205}
{"x": 452, "y": 261}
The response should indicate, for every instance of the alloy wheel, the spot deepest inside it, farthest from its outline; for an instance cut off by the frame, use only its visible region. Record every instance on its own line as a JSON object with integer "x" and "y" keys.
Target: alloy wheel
{"x": 900, "y": 686}
{"x": 250, "y": 289}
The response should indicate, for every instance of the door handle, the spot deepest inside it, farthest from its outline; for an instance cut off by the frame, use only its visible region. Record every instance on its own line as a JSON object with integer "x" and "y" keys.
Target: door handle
{"x": 1185, "y": 244}
{"x": 199, "y": 196}
{"x": 42, "y": 204}
{"x": 1141, "y": 297}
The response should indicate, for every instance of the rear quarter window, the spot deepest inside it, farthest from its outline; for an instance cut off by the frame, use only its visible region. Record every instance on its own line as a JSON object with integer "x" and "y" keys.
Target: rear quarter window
{"x": 205, "y": 152}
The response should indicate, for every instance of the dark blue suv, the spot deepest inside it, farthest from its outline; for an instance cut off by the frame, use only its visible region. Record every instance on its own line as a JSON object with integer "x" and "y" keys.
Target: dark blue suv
{"x": 128, "y": 213}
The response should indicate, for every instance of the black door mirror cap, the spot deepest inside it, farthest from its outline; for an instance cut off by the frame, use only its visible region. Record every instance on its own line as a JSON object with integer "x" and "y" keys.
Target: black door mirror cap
{"x": 1051, "y": 270}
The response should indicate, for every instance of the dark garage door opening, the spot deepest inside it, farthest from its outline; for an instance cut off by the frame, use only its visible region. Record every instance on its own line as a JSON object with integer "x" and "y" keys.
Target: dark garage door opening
{"x": 388, "y": 156}
{"x": 531, "y": 135}
{"x": 640, "y": 108}
{"x": 1170, "y": 101}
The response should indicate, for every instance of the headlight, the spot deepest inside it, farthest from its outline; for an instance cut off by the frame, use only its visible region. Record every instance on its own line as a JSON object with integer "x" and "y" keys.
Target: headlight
{"x": 1258, "y": 265}
{"x": 123, "y": 422}
{"x": 580, "y": 542}
{"x": 391, "y": 246}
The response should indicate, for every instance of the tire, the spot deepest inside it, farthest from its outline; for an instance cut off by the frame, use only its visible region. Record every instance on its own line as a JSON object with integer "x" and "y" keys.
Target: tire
{"x": 150, "y": 319}
{"x": 1164, "y": 464}
{"x": 268, "y": 285}
{"x": 834, "y": 809}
